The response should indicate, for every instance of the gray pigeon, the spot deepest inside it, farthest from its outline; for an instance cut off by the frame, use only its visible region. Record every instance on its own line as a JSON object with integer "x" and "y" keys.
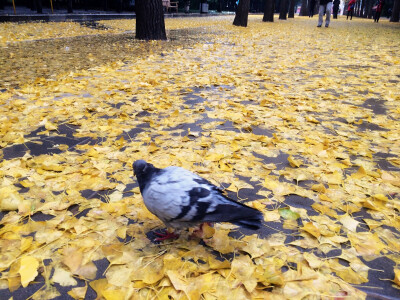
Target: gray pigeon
{"x": 182, "y": 199}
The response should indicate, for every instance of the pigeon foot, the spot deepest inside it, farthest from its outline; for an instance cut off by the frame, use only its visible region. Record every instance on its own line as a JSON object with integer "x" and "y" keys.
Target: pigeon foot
{"x": 165, "y": 236}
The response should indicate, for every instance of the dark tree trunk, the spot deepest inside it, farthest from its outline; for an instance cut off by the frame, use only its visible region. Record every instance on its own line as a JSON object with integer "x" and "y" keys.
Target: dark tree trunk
{"x": 242, "y": 13}
{"x": 291, "y": 8}
{"x": 69, "y": 7}
{"x": 269, "y": 9}
{"x": 364, "y": 8}
{"x": 395, "y": 11}
{"x": 150, "y": 23}
{"x": 369, "y": 9}
{"x": 283, "y": 10}
{"x": 39, "y": 9}
{"x": 316, "y": 7}
{"x": 303, "y": 9}
{"x": 219, "y": 7}
{"x": 119, "y": 6}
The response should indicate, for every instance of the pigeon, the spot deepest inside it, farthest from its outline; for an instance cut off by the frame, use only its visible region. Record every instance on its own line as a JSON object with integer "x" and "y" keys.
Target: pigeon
{"x": 182, "y": 199}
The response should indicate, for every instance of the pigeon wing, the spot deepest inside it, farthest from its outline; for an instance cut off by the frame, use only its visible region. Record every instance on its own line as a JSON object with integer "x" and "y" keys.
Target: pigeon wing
{"x": 167, "y": 195}
{"x": 179, "y": 196}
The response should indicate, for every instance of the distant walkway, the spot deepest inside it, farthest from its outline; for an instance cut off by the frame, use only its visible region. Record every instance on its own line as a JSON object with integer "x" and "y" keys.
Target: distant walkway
{"x": 24, "y": 14}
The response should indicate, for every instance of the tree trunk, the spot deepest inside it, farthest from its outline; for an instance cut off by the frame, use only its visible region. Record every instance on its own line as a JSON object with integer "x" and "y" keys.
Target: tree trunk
{"x": 303, "y": 9}
{"x": 358, "y": 3}
{"x": 291, "y": 8}
{"x": 150, "y": 23}
{"x": 316, "y": 7}
{"x": 395, "y": 11}
{"x": 119, "y": 6}
{"x": 242, "y": 13}
{"x": 219, "y": 7}
{"x": 269, "y": 9}
{"x": 283, "y": 10}
{"x": 39, "y": 9}
{"x": 369, "y": 11}
{"x": 69, "y": 7}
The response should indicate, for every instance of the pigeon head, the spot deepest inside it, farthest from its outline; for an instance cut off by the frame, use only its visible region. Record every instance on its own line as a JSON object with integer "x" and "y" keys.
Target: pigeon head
{"x": 139, "y": 167}
{"x": 143, "y": 172}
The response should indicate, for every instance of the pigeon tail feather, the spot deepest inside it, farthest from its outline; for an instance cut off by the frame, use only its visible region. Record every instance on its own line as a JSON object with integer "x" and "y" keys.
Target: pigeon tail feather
{"x": 252, "y": 224}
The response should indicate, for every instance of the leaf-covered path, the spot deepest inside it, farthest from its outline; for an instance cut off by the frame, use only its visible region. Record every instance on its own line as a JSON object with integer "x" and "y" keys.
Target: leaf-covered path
{"x": 297, "y": 121}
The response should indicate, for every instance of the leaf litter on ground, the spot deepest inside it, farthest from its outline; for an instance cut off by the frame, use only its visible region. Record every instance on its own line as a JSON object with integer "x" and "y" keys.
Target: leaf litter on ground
{"x": 268, "y": 112}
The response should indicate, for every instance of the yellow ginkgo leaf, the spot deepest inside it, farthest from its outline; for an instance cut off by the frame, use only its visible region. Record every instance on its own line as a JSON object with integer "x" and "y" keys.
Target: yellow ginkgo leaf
{"x": 10, "y": 199}
{"x": 113, "y": 294}
{"x": 311, "y": 229}
{"x": 320, "y": 188}
{"x": 28, "y": 269}
{"x": 63, "y": 277}
{"x": 78, "y": 293}
{"x": 295, "y": 163}
{"x": 360, "y": 173}
{"x": 50, "y": 126}
{"x": 397, "y": 276}
{"x": 349, "y": 222}
{"x": 380, "y": 197}
{"x": 26, "y": 242}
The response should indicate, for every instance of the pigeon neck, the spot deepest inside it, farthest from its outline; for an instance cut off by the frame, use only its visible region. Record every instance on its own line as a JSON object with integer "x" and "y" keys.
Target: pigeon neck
{"x": 144, "y": 178}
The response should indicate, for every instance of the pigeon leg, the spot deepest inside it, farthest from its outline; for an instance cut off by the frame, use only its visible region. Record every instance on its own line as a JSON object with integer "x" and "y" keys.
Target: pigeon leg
{"x": 165, "y": 236}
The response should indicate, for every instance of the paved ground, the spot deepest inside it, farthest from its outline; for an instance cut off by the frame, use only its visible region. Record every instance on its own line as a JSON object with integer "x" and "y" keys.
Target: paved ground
{"x": 47, "y": 145}
{"x": 41, "y": 142}
{"x": 59, "y": 15}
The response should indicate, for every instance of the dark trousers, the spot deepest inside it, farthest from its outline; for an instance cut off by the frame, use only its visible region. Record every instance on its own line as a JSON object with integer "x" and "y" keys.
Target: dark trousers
{"x": 377, "y": 16}
{"x": 350, "y": 13}
{"x": 335, "y": 11}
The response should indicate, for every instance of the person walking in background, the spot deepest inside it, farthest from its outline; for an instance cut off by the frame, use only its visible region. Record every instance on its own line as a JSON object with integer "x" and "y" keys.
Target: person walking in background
{"x": 378, "y": 10}
{"x": 311, "y": 7}
{"x": 336, "y": 4}
{"x": 324, "y": 5}
{"x": 350, "y": 9}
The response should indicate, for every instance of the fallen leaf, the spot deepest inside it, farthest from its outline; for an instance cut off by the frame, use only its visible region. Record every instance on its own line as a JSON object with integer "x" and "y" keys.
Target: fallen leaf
{"x": 28, "y": 269}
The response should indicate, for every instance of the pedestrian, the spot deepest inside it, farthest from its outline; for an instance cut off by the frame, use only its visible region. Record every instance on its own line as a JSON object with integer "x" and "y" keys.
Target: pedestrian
{"x": 311, "y": 7}
{"x": 350, "y": 9}
{"x": 378, "y": 10}
{"x": 324, "y": 5}
{"x": 336, "y": 4}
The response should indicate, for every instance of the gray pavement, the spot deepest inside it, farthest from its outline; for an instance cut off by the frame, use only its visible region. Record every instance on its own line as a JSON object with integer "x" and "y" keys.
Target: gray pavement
{"x": 24, "y": 14}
